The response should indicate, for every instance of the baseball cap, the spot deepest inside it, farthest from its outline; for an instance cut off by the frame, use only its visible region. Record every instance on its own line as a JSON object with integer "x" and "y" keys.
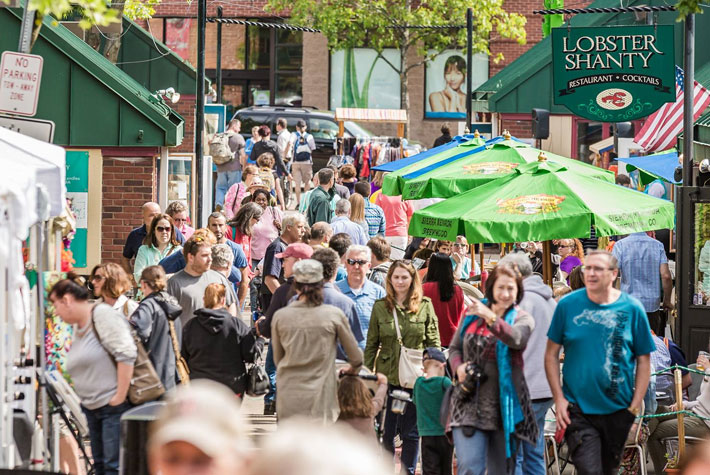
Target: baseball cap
{"x": 205, "y": 414}
{"x": 435, "y": 354}
{"x": 301, "y": 250}
{"x": 308, "y": 271}
{"x": 301, "y": 123}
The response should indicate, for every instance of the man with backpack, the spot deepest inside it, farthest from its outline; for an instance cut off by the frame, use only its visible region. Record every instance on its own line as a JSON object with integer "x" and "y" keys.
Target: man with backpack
{"x": 302, "y": 145}
{"x": 227, "y": 151}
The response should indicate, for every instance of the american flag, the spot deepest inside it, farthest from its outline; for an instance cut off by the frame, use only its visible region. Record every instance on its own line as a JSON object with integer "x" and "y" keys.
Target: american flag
{"x": 660, "y": 132}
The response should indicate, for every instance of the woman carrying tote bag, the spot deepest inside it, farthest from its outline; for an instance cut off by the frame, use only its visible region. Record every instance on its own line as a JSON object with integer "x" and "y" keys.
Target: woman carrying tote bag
{"x": 417, "y": 328}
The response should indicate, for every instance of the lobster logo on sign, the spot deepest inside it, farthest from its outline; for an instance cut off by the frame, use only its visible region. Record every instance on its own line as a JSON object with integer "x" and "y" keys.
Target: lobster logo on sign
{"x": 614, "y": 99}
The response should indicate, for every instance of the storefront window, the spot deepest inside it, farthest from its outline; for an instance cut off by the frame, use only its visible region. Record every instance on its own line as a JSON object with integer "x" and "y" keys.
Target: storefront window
{"x": 259, "y": 44}
{"x": 288, "y": 90}
{"x": 289, "y": 57}
{"x": 588, "y": 133}
{"x": 701, "y": 252}
{"x": 180, "y": 179}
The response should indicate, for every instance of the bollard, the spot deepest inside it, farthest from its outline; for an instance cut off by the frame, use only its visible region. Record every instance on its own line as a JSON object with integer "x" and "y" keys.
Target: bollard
{"x": 679, "y": 403}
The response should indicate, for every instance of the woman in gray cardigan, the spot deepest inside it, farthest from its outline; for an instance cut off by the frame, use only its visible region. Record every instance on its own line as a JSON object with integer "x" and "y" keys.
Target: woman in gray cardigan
{"x": 100, "y": 363}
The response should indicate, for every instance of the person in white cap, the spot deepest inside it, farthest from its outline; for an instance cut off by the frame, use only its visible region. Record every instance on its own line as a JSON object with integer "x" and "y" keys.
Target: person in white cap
{"x": 200, "y": 431}
{"x": 305, "y": 337}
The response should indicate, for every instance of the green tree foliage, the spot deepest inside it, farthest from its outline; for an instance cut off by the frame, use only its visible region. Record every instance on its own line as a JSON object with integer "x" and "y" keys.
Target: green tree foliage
{"x": 368, "y": 24}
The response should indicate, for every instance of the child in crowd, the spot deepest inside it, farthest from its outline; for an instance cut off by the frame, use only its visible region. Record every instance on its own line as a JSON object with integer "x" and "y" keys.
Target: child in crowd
{"x": 358, "y": 407}
{"x": 429, "y": 390}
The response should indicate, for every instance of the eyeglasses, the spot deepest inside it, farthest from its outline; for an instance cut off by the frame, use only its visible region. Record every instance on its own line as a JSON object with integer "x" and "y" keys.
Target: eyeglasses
{"x": 358, "y": 262}
{"x": 595, "y": 269}
{"x": 163, "y": 229}
{"x": 97, "y": 278}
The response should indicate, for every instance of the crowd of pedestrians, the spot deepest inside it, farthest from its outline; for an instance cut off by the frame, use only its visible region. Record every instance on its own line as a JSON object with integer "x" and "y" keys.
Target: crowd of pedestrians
{"x": 456, "y": 362}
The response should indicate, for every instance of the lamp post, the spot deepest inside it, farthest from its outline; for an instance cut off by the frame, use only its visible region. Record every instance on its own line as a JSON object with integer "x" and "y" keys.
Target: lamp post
{"x": 469, "y": 65}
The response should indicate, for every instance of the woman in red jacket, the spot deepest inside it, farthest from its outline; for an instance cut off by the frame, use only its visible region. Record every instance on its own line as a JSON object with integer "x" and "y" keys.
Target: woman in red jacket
{"x": 445, "y": 295}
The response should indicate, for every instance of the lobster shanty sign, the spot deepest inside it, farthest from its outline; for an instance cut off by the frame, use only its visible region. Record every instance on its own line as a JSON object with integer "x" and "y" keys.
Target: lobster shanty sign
{"x": 613, "y": 74}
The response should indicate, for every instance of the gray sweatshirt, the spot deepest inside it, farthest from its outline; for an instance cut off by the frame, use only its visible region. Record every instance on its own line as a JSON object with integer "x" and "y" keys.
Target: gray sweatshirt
{"x": 538, "y": 301}
{"x": 91, "y": 362}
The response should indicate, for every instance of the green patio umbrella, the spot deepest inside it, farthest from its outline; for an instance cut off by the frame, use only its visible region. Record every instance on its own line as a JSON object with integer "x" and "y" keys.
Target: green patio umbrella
{"x": 541, "y": 201}
{"x": 390, "y": 183}
{"x": 498, "y": 160}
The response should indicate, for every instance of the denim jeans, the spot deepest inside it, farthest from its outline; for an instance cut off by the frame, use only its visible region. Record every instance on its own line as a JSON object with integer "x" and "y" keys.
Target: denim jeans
{"x": 224, "y": 181}
{"x": 484, "y": 449}
{"x": 531, "y": 458}
{"x": 270, "y": 368}
{"x": 406, "y": 426}
{"x": 105, "y": 436}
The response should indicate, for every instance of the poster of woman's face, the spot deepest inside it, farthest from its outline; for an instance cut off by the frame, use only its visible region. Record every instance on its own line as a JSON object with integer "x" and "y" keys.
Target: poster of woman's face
{"x": 446, "y": 84}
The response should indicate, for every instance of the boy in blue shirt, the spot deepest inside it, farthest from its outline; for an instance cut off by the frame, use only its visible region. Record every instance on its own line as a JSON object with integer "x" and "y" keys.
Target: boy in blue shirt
{"x": 428, "y": 394}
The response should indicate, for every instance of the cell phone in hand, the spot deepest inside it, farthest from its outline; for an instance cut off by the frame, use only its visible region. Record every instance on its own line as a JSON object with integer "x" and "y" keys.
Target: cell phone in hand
{"x": 559, "y": 435}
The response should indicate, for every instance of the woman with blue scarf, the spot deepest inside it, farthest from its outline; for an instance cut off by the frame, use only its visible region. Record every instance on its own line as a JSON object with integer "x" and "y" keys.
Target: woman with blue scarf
{"x": 491, "y": 408}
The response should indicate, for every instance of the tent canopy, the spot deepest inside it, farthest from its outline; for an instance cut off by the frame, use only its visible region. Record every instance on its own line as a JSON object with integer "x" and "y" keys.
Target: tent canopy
{"x": 403, "y": 162}
{"x": 47, "y": 161}
{"x": 661, "y": 166}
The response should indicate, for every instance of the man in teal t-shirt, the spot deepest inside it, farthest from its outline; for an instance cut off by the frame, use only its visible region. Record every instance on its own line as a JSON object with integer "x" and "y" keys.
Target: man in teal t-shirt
{"x": 607, "y": 342}
{"x": 428, "y": 394}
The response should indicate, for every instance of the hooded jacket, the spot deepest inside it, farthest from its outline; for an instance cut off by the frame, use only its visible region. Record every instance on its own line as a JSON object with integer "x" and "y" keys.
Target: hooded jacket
{"x": 216, "y": 346}
{"x": 151, "y": 323}
{"x": 539, "y": 302}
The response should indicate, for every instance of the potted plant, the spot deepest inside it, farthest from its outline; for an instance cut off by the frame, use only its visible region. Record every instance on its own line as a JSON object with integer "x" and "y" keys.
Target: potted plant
{"x": 671, "y": 464}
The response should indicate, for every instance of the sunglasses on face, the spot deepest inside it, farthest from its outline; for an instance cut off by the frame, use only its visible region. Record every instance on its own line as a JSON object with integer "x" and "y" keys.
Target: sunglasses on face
{"x": 358, "y": 262}
{"x": 163, "y": 229}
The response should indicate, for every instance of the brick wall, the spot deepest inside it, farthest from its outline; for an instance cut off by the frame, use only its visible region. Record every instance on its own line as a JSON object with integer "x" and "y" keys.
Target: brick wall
{"x": 186, "y": 107}
{"x": 127, "y": 184}
{"x": 235, "y": 8}
{"x": 521, "y": 128}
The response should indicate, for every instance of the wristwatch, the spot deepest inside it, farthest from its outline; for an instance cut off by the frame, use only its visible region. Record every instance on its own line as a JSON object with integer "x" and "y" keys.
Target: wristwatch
{"x": 636, "y": 411}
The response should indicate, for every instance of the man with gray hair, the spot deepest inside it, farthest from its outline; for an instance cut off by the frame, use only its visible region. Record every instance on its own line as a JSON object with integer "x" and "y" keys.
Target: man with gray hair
{"x": 342, "y": 224}
{"x": 539, "y": 302}
{"x": 357, "y": 287}
{"x": 321, "y": 232}
{"x": 222, "y": 258}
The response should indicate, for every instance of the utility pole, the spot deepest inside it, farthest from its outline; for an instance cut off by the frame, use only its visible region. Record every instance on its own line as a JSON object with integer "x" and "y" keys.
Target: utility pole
{"x": 200, "y": 114}
{"x": 469, "y": 66}
{"x": 219, "y": 56}
{"x": 688, "y": 99}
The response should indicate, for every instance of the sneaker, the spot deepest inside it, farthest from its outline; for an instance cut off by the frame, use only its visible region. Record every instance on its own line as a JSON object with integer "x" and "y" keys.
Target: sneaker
{"x": 269, "y": 408}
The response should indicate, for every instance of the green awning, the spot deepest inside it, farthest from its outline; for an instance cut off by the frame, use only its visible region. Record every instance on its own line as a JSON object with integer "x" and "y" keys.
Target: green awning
{"x": 526, "y": 83}
{"x": 91, "y": 101}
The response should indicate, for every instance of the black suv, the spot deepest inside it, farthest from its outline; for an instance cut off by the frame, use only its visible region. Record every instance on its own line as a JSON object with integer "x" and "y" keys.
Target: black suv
{"x": 321, "y": 124}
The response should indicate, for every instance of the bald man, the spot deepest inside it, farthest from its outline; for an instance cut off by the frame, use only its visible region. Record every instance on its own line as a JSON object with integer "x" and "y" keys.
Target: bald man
{"x": 135, "y": 238}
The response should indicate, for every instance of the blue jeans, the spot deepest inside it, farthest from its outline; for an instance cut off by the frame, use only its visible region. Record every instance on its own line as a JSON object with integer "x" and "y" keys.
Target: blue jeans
{"x": 406, "y": 426}
{"x": 105, "y": 436}
{"x": 484, "y": 449}
{"x": 224, "y": 181}
{"x": 270, "y": 368}
{"x": 531, "y": 458}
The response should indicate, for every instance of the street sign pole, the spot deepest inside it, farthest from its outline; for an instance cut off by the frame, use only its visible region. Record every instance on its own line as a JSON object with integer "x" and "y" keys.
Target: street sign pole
{"x": 28, "y": 17}
{"x": 200, "y": 113}
{"x": 469, "y": 70}
{"x": 688, "y": 98}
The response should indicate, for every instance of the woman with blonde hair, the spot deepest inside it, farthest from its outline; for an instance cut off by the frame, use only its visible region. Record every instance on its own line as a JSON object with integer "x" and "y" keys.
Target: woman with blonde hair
{"x": 418, "y": 325}
{"x": 357, "y": 212}
{"x": 109, "y": 283}
{"x": 572, "y": 255}
{"x": 216, "y": 345}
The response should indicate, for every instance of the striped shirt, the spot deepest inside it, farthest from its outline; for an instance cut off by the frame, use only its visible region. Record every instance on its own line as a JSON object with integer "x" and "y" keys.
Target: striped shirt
{"x": 375, "y": 218}
{"x": 640, "y": 258}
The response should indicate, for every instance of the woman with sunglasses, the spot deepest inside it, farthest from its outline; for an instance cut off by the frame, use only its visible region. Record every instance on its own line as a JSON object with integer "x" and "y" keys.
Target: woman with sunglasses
{"x": 109, "y": 283}
{"x": 491, "y": 409}
{"x": 419, "y": 328}
{"x": 158, "y": 244}
{"x": 237, "y": 192}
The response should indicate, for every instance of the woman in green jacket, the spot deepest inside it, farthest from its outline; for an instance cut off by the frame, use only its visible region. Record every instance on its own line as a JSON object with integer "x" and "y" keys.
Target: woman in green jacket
{"x": 419, "y": 328}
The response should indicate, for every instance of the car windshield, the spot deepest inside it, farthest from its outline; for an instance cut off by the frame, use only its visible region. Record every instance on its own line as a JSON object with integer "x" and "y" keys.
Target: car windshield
{"x": 353, "y": 129}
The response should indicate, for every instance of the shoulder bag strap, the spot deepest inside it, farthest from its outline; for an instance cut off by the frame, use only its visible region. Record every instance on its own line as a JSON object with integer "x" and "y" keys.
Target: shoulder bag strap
{"x": 173, "y": 337}
{"x": 396, "y": 326}
{"x": 236, "y": 196}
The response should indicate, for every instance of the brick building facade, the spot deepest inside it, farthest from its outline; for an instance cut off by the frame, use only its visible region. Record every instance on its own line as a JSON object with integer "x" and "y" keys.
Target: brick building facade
{"x": 239, "y": 77}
